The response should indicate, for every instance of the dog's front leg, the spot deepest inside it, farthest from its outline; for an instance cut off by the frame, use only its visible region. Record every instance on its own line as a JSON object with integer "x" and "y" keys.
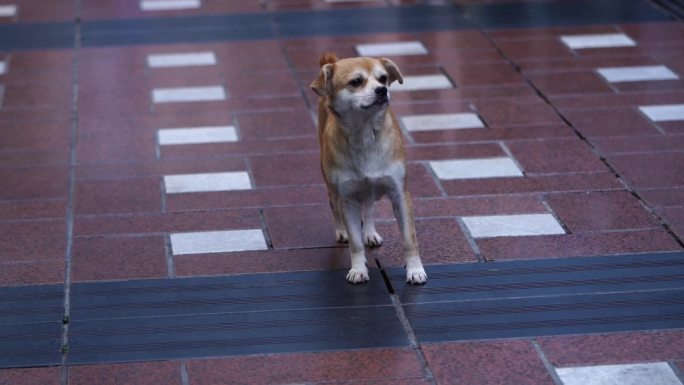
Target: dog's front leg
{"x": 351, "y": 213}
{"x": 403, "y": 211}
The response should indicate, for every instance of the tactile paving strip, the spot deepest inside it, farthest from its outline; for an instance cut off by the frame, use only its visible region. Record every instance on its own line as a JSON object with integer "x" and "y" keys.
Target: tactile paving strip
{"x": 220, "y": 316}
{"x": 546, "y": 297}
{"x": 31, "y": 325}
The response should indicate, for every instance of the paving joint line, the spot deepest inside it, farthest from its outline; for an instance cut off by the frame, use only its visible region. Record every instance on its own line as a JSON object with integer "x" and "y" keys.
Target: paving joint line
{"x": 586, "y": 141}
{"x": 70, "y": 204}
{"x": 547, "y": 364}
{"x": 413, "y": 340}
{"x": 406, "y": 325}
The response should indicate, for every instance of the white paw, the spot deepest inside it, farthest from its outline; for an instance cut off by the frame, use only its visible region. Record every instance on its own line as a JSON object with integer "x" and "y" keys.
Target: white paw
{"x": 341, "y": 236}
{"x": 358, "y": 275}
{"x": 416, "y": 275}
{"x": 372, "y": 239}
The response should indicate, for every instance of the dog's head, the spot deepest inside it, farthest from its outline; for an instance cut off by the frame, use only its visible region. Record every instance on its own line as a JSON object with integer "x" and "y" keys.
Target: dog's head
{"x": 358, "y": 84}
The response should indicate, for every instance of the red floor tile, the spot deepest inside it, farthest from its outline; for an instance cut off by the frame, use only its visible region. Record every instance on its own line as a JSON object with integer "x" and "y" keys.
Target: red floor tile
{"x": 163, "y": 372}
{"x": 663, "y": 196}
{"x": 276, "y": 124}
{"x": 118, "y": 196}
{"x": 334, "y": 367}
{"x": 472, "y": 206}
{"x": 555, "y": 156}
{"x": 518, "y": 111}
{"x": 597, "y": 211}
{"x": 540, "y": 48}
{"x": 495, "y": 363}
{"x": 483, "y": 74}
{"x": 285, "y": 196}
{"x": 32, "y": 240}
{"x": 598, "y": 101}
{"x": 583, "y": 63}
{"x": 156, "y": 223}
{"x": 650, "y": 170}
{"x": 34, "y": 182}
{"x": 454, "y": 151}
{"x": 31, "y": 273}
{"x": 536, "y": 183}
{"x": 264, "y": 261}
{"x": 447, "y": 40}
{"x": 39, "y": 136}
{"x": 286, "y": 170}
{"x": 439, "y": 241}
{"x": 301, "y": 226}
{"x": 492, "y": 133}
{"x": 674, "y": 217}
{"x": 613, "y": 348}
{"x": 97, "y": 259}
{"x": 122, "y": 146}
{"x": 242, "y": 147}
{"x": 143, "y": 170}
{"x": 34, "y": 158}
{"x": 564, "y": 83}
{"x": 576, "y": 245}
{"x": 626, "y": 145}
{"x": 26, "y": 209}
{"x": 30, "y": 376}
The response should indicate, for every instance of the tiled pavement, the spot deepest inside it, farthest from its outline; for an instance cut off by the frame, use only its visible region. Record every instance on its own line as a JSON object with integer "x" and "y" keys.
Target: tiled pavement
{"x": 163, "y": 218}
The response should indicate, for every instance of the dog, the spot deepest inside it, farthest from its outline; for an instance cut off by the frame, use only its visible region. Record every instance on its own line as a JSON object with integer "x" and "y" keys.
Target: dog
{"x": 363, "y": 157}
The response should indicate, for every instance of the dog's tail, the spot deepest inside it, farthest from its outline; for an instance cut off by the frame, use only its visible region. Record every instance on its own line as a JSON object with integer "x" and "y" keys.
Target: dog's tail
{"x": 327, "y": 58}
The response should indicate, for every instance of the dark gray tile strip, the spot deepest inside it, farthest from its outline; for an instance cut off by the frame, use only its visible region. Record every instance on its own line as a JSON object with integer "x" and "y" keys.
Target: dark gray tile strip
{"x": 221, "y": 316}
{"x": 31, "y": 325}
{"x": 270, "y": 25}
{"x": 547, "y": 297}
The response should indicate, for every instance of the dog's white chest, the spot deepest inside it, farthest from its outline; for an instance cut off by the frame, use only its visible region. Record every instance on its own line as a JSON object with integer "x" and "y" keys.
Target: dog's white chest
{"x": 371, "y": 178}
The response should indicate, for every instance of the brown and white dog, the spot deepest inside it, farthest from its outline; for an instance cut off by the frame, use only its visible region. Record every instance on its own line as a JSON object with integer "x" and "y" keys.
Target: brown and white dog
{"x": 363, "y": 157}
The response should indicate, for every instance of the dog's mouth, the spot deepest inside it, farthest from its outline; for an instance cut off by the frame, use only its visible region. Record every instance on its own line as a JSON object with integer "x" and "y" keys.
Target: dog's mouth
{"x": 379, "y": 102}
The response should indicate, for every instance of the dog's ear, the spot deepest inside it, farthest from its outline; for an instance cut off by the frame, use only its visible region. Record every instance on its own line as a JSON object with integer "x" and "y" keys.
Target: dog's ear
{"x": 323, "y": 84}
{"x": 392, "y": 71}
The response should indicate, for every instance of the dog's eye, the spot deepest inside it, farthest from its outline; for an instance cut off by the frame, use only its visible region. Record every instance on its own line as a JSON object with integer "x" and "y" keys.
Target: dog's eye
{"x": 382, "y": 79}
{"x": 356, "y": 82}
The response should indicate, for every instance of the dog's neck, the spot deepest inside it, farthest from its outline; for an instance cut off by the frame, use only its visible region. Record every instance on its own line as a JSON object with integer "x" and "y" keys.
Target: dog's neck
{"x": 363, "y": 129}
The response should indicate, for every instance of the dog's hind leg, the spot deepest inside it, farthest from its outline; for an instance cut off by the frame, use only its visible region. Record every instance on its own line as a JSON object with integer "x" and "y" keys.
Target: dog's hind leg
{"x": 371, "y": 238}
{"x": 340, "y": 229}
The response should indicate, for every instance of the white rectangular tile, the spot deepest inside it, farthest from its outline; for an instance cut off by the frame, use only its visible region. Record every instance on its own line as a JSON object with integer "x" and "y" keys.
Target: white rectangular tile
{"x": 475, "y": 168}
{"x": 442, "y": 121}
{"x": 8, "y": 10}
{"x": 3, "y": 67}
{"x": 188, "y": 94}
{"x": 637, "y": 74}
{"x": 186, "y": 59}
{"x": 217, "y": 181}
{"x": 422, "y": 82}
{"x": 606, "y": 40}
{"x": 392, "y": 49}
{"x": 169, "y": 5}
{"x": 664, "y": 113}
{"x": 196, "y": 135}
{"x": 656, "y": 373}
{"x": 217, "y": 241}
{"x": 512, "y": 225}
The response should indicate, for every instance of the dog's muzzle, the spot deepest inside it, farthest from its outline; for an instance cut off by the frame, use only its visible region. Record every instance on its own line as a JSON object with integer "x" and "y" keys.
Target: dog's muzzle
{"x": 381, "y": 97}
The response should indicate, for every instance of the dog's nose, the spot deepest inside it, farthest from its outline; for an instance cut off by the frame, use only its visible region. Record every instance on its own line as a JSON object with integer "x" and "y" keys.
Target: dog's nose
{"x": 381, "y": 90}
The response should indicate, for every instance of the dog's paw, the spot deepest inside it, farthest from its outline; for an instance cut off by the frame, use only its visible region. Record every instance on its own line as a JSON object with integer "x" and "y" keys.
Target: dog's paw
{"x": 416, "y": 275}
{"x": 341, "y": 236}
{"x": 358, "y": 276}
{"x": 372, "y": 239}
